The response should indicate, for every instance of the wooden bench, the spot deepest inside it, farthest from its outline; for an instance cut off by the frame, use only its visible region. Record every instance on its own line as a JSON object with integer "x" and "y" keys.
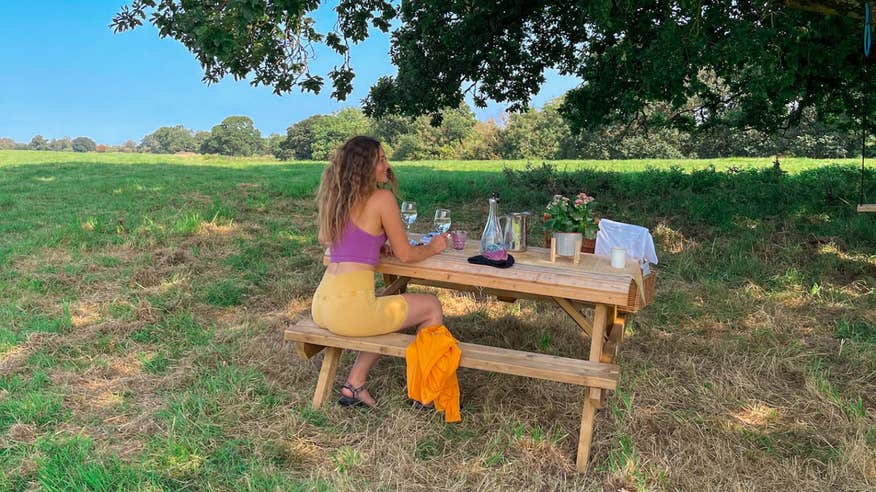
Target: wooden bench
{"x": 310, "y": 339}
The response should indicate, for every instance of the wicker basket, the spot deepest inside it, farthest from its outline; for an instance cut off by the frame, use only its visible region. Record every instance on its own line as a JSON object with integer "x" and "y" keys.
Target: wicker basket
{"x": 634, "y": 301}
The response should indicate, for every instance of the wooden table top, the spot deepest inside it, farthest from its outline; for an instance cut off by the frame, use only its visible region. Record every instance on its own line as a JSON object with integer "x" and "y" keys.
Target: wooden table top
{"x": 532, "y": 273}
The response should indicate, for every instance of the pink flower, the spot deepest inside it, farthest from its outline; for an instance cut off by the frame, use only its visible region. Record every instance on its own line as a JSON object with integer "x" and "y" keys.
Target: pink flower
{"x": 572, "y": 212}
{"x": 583, "y": 198}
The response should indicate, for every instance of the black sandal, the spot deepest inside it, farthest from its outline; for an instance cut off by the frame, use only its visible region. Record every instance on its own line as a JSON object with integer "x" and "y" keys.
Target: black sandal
{"x": 354, "y": 401}
{"x": 423, "y": 408}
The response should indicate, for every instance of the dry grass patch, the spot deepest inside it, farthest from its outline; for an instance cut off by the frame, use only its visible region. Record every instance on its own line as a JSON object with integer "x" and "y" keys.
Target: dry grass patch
{"x": 166, "y": 266}
{"x": 170, "y": 257}
{"x": 672, "y": 240}
{"x": 20, "y": 433}
{"x": 41, "y": 259}
{"x": 778, "y": 422}
{"x": 211, "y": 229}
{"x": 146, "y": 277}
{"x": 12, "y": 360}
{"x": 84, "y": 313}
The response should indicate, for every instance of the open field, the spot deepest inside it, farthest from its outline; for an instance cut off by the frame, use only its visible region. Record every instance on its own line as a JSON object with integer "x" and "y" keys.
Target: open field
{"x": 142, "y": 300}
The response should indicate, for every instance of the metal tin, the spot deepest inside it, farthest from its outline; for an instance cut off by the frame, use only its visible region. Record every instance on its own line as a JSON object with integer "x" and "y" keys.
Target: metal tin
{"x": 516, "y": 231}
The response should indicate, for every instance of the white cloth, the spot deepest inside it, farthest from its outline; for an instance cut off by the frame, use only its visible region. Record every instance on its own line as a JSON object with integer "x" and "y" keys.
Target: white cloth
{"x": 635, "y": 239}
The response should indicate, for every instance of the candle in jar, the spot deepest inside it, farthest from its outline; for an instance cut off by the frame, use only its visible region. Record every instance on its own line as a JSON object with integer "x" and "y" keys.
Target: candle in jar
{"x": 618, "y": 257}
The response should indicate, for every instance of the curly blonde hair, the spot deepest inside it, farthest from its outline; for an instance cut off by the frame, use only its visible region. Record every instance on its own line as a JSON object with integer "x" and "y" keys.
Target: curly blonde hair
{"x": 347, "y": 183}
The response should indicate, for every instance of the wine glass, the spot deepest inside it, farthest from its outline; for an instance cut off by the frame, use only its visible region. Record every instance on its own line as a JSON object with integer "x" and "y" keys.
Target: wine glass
{"x": 442, "y": 220}
{"x": 408, "y": 214}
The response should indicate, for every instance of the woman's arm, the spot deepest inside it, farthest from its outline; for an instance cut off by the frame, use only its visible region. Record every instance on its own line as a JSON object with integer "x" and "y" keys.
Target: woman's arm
{"x": 390, "y": 218}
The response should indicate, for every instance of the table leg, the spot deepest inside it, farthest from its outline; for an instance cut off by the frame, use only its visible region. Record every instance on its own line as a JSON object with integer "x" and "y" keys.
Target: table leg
{"x": 585, "y": 436}
{"x": 603, "y": 315}
{"x": 394, "y": 285}
{"x": 592, "y": 396}
{"x": 615, "y": 337}
{"x": 600, "y": 327}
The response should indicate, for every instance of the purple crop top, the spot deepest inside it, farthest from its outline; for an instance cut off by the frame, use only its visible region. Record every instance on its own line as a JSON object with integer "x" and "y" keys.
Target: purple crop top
{"x": 357, "y": 246}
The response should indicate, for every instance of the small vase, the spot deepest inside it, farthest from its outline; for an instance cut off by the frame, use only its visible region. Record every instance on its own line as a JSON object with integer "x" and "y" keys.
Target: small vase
{"x": 566, "y": 242}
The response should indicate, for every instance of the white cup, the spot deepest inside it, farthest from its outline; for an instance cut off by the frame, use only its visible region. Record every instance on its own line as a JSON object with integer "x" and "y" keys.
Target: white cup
{"x": 618, "y": 257}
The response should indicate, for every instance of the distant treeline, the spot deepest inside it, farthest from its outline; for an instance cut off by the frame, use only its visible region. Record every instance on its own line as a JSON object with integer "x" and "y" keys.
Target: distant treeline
{"x": 457, "y": 134}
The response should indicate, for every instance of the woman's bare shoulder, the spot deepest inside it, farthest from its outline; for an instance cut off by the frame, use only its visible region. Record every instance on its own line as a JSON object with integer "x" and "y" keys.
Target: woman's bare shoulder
{"x": 382, "y": 198}
{"x": 379, "y": 203}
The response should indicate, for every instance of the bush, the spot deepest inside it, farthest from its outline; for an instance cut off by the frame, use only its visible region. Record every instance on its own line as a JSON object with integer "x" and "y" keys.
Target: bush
{"x": 482, "y": 143}
{"x": 83, "y": 144}
{"x": 823, "y": 146}
{"x": 7, "y": 144}
{"x": 61, "y": 144}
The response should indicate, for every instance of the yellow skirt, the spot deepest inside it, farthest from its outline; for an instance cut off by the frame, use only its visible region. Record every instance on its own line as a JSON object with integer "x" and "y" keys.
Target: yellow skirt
{"x": 346, "y": 304}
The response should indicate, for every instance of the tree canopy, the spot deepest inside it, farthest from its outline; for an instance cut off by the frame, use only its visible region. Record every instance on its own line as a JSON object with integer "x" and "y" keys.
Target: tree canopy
{"x": 38, "y": 142}
{"x": 236, "y": 135}
{"x": 83, "y": 144}
{"x": 169, "y": 140}
{"x": 318, "y": 136}
{"x": 682, "y": 63}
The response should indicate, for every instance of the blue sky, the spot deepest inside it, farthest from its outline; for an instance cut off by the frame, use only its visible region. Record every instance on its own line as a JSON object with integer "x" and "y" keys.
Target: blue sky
{"x": 64, "y": 73}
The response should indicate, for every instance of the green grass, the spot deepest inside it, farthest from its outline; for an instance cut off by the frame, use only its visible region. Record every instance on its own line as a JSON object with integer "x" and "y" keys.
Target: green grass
{"x": 858, "y": 331}
{"x": 224, "y": 293}
{"x": 18, "y": 323}
{"x": 72, "y": 464}
{"x": 142, "y": 296}
{"x": 29, "y": 400}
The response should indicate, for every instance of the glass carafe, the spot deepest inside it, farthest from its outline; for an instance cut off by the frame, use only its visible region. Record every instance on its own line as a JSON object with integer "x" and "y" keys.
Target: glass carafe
{"x": 493, "y": 239}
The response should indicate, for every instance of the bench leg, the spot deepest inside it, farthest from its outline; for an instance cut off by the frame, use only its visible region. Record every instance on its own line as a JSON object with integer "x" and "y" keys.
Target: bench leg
{"x": 326, "y": 376}
{"x": 585, "y": 437}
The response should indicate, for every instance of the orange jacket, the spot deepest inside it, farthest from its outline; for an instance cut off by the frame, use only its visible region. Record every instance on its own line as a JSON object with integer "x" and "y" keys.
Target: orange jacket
{"x": 432, "y": 359}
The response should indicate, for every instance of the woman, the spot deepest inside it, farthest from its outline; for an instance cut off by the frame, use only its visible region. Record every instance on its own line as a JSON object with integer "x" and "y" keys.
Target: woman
{"x": 356, "y": 217}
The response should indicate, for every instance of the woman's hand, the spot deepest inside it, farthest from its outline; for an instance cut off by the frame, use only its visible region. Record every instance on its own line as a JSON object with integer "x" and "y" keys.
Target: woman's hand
{"x": 439, "y": 242}
{"x": 386, "y": 250}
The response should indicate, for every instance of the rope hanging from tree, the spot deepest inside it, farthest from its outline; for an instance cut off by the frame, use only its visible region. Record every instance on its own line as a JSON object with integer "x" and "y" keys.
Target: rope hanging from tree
{"x": 862, "y": 207}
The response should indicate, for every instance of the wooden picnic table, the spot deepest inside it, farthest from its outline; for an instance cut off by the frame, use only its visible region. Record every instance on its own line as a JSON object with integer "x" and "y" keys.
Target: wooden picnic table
{"x": 597, "y": 298}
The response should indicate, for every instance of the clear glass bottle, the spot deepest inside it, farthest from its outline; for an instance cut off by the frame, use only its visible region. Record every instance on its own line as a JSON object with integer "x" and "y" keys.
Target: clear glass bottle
{"x": 493, "y": 239}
